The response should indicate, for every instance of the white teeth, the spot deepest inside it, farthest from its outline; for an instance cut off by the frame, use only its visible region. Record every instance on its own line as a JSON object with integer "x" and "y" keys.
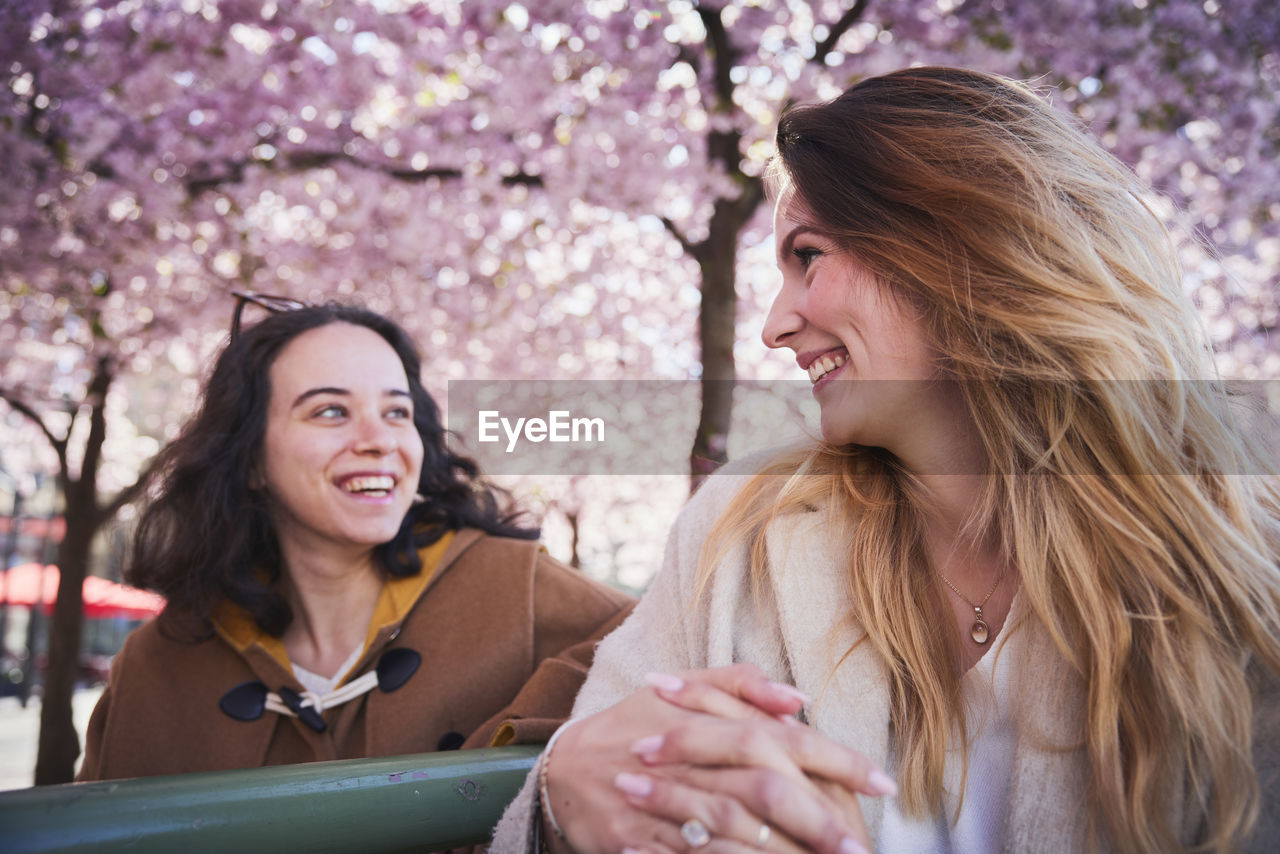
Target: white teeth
{"x": 825, "y": 365}
{"x": 380, "y": 484}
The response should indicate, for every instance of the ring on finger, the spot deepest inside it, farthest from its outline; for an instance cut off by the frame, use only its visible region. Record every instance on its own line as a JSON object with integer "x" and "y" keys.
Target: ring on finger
{"x": 695, "y": 833}
{"x": 762, "y": 838}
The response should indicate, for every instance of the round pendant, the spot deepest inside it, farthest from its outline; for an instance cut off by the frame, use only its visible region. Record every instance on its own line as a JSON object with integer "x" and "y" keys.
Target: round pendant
{"x": 978, "y": 631}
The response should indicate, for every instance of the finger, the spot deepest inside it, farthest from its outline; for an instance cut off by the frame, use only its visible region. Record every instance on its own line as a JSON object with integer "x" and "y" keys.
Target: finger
{"x": 818, "y": 817}
{"x": 627, "y": 829}
{"x": 791, "y": 751}
{"x": 656, "y": 847}
{"x": 660, "y": 835}
{"x": 744, "y": 681}
{"x": 715, "y": 846}
{"x": 651, "y": 848}
{"x": 699, "y": 695}
{"x": 727, "y": 823}
{"x": 728, "y": 846}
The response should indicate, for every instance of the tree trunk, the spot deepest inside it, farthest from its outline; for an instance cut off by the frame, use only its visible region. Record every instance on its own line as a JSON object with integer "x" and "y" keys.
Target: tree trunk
{"x": 10, "y": 549}
{"x": 715, "y": 337}
{"x": 59, "y": 744}
{"x": 717, "y": 316}
{"x": 717, "y": 255}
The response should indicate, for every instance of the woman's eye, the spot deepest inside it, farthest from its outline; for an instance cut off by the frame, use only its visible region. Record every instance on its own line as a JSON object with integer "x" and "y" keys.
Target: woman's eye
{"x": 806, "y": 255}
{"x": 400, "y": 413}
{"x": 331, "y": 410}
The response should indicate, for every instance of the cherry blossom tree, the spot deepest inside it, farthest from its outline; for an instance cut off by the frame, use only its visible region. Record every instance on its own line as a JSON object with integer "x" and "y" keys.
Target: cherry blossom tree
{"x": 562, "y": 189}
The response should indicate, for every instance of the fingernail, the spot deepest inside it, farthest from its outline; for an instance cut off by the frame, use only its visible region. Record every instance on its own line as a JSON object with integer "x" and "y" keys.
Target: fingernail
{"x": 633, "y": 851}
{"x": 789, "y": 692}
{"x": 849, "y": 845}
{"x": 881, "y": 783}
{"x": 634, "y": 784}
{"x": 789, "y": 720}
{"x": 664, "y": 681}
{"x": 648, "y": 744}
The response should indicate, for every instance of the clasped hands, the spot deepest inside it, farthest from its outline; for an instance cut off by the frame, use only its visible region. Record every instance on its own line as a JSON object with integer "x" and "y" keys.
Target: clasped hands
{"x": 719, "y": 750}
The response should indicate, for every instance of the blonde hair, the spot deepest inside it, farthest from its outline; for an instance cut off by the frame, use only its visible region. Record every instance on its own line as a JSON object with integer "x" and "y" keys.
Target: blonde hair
{"x": 1054, "y": 293}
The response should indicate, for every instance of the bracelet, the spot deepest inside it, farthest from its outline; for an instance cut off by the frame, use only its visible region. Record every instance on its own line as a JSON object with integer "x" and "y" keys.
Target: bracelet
{"x": 543, "y": 797}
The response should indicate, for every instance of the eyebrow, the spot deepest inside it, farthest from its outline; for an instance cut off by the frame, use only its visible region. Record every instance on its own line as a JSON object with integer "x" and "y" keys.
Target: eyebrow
{"x": 342, "y": 392}
{"x": 788, "y": 242}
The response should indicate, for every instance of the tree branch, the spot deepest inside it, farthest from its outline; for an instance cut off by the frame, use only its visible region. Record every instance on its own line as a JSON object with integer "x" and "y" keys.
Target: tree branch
{"x": 723, "y": 52}
{"x": 685, "y": 54}
{"x": 96, "y": 397}
{"x": 303, "y": 160}
{"x": 751, "y": 196}
{"x": 675, "y": 232}
{"x": 59, "y": 445}
{"x": 838, "y": 29}
{"x": 133, "y": 492}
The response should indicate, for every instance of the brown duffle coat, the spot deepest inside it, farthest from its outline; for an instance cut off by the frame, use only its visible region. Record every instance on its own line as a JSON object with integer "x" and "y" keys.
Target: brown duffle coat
{"x": 505, "y": 634}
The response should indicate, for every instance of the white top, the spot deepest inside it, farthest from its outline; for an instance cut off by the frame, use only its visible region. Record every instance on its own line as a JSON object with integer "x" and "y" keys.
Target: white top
{"x": 322, "y": 685}
{"x": 992, "y": 742}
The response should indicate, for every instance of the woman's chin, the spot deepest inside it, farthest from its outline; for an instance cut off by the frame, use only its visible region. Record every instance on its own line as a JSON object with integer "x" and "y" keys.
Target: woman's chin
{"x": 840, "y": 432}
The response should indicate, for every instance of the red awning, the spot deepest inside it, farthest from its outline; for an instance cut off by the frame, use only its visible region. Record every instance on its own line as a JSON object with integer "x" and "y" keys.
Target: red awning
{"x": 31, "y": 584}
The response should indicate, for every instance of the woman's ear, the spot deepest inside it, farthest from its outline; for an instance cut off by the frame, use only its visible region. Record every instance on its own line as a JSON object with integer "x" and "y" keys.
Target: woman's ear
{"x": 256, "y": 481}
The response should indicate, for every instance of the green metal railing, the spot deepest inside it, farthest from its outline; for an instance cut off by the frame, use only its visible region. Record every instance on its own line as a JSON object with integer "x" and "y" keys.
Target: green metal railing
{"x": 425, "y": 802}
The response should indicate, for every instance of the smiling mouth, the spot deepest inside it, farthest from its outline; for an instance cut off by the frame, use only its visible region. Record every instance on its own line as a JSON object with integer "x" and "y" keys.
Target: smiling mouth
{"x": 373, "y": 485}
{"x": 825, "y": 365}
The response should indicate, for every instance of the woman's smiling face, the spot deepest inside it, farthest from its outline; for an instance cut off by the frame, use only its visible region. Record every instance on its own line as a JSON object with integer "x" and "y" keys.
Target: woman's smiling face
{"x": 865, "y": 350}
{"x": 341, "y": 456}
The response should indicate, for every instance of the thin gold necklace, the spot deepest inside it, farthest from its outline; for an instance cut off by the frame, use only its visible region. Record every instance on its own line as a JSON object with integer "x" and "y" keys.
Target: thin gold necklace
{"x": 979, "y": 631}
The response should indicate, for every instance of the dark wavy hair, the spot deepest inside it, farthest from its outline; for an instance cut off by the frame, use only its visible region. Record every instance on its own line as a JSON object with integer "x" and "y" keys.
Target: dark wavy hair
{"x": 206, "y": 535}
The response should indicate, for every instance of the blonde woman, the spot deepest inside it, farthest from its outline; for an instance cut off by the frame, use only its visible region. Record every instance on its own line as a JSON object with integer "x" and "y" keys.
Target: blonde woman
{"x": 1026, "y": 586}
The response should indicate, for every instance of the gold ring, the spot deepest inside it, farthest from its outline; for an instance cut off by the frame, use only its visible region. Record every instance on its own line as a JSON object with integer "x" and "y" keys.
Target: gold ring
{"x": 695, "y": 833}
{"x": 762, "y": 838}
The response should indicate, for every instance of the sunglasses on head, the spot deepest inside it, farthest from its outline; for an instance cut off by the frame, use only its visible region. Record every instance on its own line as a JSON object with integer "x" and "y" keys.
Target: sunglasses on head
{"x": 271, "y": 303}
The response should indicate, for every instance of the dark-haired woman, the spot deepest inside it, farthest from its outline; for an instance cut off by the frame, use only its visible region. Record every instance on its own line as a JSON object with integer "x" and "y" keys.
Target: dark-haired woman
{"x": 339, "y": 584}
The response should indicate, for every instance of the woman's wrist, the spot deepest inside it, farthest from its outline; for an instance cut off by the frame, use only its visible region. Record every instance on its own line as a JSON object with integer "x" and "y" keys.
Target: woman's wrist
{"x": 549, "y": 842}
{"x": 553, "y": 838}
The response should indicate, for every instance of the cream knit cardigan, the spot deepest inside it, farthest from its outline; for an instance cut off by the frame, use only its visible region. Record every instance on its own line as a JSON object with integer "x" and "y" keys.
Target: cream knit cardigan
{"x": 799, "y": 629}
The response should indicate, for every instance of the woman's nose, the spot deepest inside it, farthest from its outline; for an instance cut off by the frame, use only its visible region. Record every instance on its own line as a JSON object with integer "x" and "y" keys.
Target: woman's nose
{"x": 374, "y": 436}
{"x": 783, "y": 320}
